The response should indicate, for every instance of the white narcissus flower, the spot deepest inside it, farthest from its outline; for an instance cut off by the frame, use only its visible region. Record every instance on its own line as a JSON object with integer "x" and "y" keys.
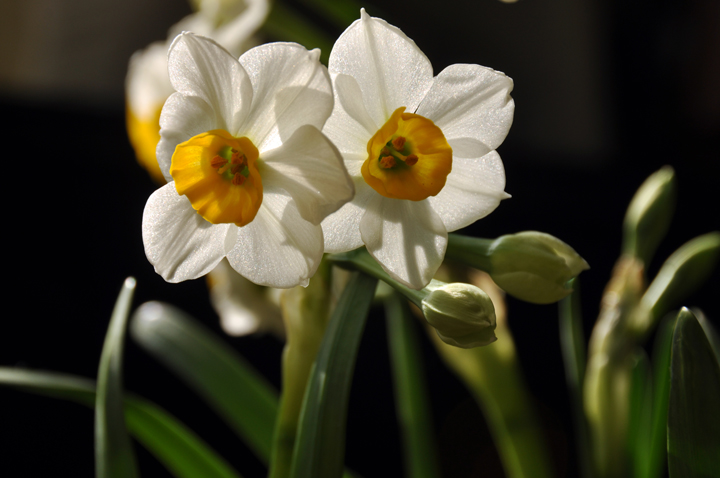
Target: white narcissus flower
{"x": 421, "y": 149}
{"x": 147, "y": 85}
{"x": 250, "y": 175}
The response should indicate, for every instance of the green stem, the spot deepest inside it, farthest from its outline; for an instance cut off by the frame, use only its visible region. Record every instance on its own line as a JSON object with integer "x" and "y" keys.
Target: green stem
{"x": 492, "y": 374}
{"x": 574, "y": 357}
{"x": 305, "y": 314}
{"x": 361, "y": 260}
{"x": 471, "y": 251}
{"x": 320, "y": 447}
{"x": 410, "y": 391}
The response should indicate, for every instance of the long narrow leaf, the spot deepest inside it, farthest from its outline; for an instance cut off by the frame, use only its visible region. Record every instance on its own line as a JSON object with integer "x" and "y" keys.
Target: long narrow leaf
{"x": 694, "y": 411}
{"x": 114, "y": 456}
{"x": 237, "y": 392}
{"x": 661, "y": 392}
{"x": 170, "y": 441}
{"x": 411, "y": 400}
{"x": 572, "y": 341}
{"x": 640, "y": 416}
{"x": 320, "y": 444}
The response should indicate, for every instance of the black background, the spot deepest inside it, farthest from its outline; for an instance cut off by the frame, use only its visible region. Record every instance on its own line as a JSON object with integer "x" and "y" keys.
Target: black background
{"x": 75, "y": 195}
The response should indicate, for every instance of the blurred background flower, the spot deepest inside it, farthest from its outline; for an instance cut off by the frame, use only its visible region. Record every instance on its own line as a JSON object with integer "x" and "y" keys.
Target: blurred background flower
{"x": 606, "y": 94}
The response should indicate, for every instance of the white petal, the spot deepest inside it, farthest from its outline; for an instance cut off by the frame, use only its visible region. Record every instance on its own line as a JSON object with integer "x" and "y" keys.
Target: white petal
{"x": 342, "y": 228}
{"x": 291, "y": 89}
{"x": 182, "y": 118}
{"x": 349, "y": 126}
{"x": 309, "y": 167}
{"x": 178, "y": 241}
{"x": 471, "y": 101}
{"x": 389, "y": 68}
{"x": 473, "y": 190}
{"x": 200, "y": 67}
{"x": 147, "y": 84}
{"x": 407, "y": 238}
{"x": 278, "y": 248}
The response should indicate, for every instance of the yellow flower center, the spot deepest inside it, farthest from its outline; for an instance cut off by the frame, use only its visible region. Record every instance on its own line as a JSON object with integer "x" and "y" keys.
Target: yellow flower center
{"x": 144, "y": 136}
{"x": 408, "y": 158}
{"x": 219, "y": 175}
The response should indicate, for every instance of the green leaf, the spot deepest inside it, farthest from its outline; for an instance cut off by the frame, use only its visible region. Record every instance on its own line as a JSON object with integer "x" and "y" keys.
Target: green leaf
{"x": 114, "y": 456}
{"x": 657, "y": 450}
{"x": 320, "y": 445}
{"x": 572, "y": 343}
{"x": 411, "y": 400}
{"x": 169, "y": 440}
{"x": 287, "y": 24}
{"x": 640, "y": 415}
{"x": 237, "y": 392}
{"x": 694, "y": 411}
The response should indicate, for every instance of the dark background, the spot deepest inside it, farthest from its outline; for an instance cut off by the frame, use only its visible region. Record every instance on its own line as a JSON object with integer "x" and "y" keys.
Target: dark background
{"x": 606, "y": 93}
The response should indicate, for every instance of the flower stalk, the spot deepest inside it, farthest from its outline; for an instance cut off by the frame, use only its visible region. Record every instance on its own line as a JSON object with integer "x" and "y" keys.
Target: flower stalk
{"x": 530, "y": 265}
{"x": 305, "y": 312}
{"x": 493, "y": 376}
{"x": 461, "y": 314}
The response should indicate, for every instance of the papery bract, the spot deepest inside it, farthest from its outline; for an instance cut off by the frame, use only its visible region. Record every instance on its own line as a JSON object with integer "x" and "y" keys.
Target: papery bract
{"x": 421, "y": 149}
{"x": 250, "y": 175}
{"x": 243, "y": 307}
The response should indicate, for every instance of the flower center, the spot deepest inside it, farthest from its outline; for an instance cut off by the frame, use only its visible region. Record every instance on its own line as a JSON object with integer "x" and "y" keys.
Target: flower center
{"x": 219, "y": 175}
{"x": 408, "y": 158}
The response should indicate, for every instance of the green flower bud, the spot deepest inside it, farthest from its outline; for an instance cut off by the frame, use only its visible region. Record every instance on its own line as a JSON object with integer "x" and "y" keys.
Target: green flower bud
{"x": 462, "y": 314}
{"x": 534, "y": 266}
{"x": 683, "y": 272}
{"x": 648, "y": 217}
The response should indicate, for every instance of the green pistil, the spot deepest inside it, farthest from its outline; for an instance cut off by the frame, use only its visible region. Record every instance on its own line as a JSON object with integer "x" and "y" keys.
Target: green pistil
{"x": 226, "y": 153}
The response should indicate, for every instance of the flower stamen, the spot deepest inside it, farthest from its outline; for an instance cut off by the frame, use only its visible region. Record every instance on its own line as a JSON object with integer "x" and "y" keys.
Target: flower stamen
{"x": 387, "y": 162}
{"x": 218, "y": 161}
{"x": 238, "y": 179}
{"x": 408, "y": 158}
{"x": 219, "y": 175}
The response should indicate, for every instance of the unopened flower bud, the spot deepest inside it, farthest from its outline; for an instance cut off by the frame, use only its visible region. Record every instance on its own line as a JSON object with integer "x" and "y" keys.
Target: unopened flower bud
{"x": 534, "y": 266}
{"x": 649, "y": 214}
{"x": 683, "y": 272}
{"x": 462, "y": 314}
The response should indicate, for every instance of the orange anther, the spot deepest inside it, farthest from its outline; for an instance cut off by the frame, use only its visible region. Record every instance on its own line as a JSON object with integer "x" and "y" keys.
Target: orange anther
{"x": 238, "y": 158}
{"x": 398, "y": 143}
{"x": 238, "y": 179}
{"x": 218, "y": 162}
{"x": 411, "y": 159}
{"x": 387, "y": 162}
